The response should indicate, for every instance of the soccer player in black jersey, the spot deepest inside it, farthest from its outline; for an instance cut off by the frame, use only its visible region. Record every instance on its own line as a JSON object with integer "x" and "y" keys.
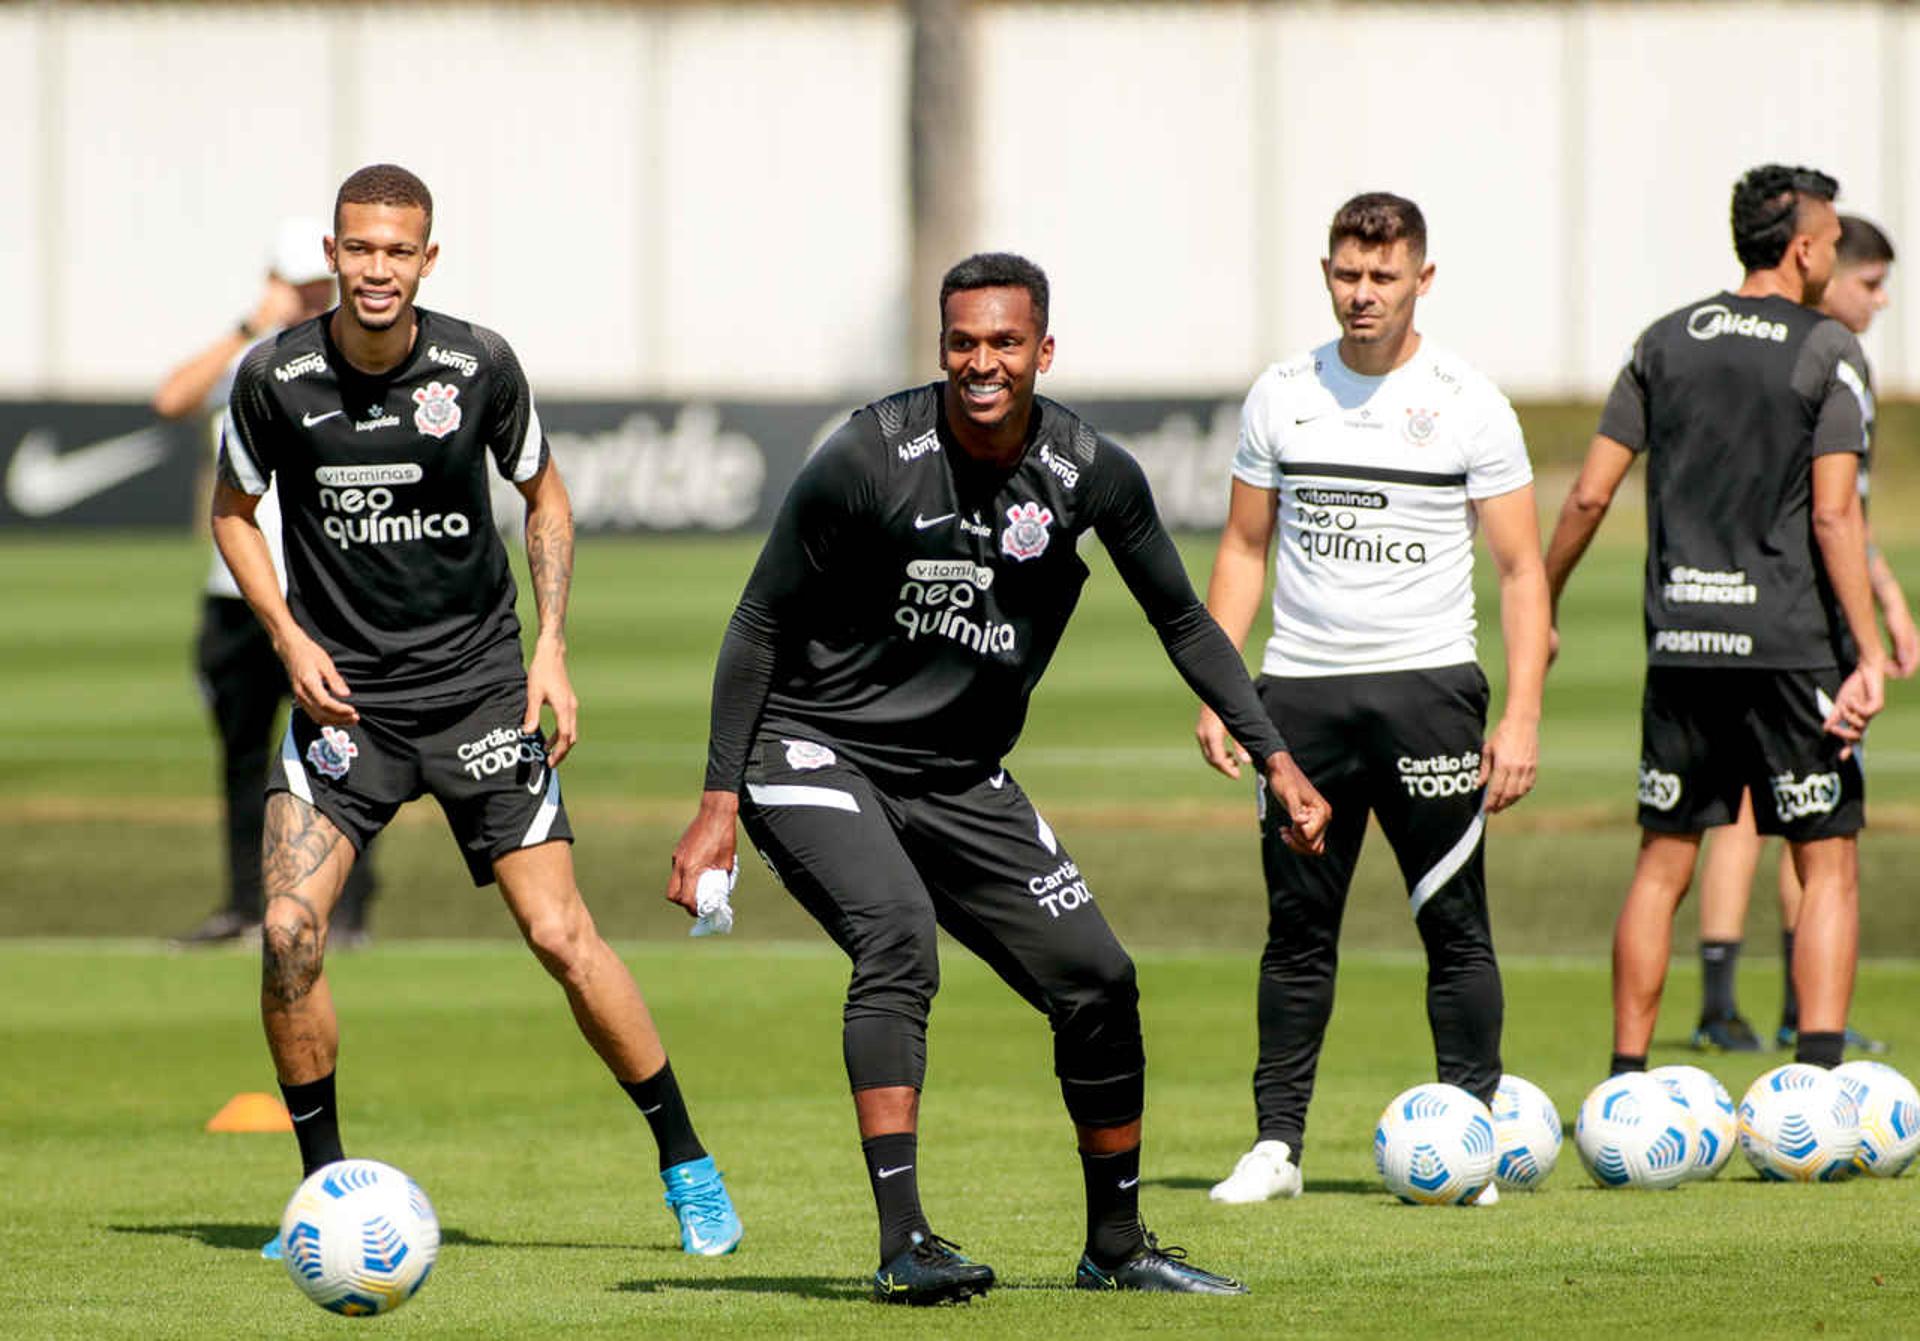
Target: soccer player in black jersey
{"x": 915, "y": 584}
{"x": 379, "y": 422}
{"x": 1752, "y": 410}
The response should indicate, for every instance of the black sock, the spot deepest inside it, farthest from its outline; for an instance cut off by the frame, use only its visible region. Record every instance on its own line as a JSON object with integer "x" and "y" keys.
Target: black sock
{"x": 896, "y": 1189}
{"x": 1790, "y": 1004}
{"x": 658, "y": 1099}
{"x": 1820, "y": 1049}
{"x": 1113, "y": 1206}
{"x": 316, "y": 1122}
{"x": 1718, "y": 960}
{"x": 1623, "y": 1062}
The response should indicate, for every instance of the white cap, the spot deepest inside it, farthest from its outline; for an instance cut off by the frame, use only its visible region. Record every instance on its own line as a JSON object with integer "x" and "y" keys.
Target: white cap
{"x": 297, "y": 256}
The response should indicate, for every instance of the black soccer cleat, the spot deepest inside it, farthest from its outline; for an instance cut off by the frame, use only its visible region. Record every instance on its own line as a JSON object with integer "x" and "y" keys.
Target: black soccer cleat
{"x": 1725, "y": 1033}
{"x": 931, "y": 1271}
{"x": 1155, "y": 1269}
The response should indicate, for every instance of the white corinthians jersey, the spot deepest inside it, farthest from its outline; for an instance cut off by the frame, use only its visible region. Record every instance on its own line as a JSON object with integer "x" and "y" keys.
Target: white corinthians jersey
{"x": 1375, "y": 475}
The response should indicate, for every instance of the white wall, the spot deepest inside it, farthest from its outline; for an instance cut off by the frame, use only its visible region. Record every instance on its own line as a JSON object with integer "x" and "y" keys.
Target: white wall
{"x": 695, "y": 200}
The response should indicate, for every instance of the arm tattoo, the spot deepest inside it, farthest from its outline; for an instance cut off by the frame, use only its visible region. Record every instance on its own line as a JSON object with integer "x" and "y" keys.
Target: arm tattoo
{"x": 299, "y": 841}
{"x": 550, "y": 561}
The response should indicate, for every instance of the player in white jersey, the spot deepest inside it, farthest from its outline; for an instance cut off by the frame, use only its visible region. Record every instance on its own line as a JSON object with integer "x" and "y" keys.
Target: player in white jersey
{"x": 1373, "y": 460}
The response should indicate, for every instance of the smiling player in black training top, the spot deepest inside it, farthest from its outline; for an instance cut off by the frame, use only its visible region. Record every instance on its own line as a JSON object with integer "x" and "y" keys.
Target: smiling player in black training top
{"x": 913, "y": 589}
{"x": 379, "y": 421}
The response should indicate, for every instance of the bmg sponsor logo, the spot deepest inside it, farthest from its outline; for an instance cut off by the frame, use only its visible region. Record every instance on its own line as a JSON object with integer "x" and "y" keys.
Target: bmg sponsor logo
{"x": 1796, "y": 798}
{"x": 459, "y": 359}
{"x": 1440, "y": 774}
{"x": 300, "y": 367}
{"x": 1658, "y": 791}
{"x": 1060, "y": 890}
{"x": 920, "y": 446}
{"x": 502, "y": 748}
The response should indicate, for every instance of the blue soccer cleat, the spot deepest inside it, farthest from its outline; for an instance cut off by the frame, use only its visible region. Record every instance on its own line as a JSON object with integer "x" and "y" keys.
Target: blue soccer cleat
{"x": 273, "y": 1250}
{"x": 696, "y": 1194}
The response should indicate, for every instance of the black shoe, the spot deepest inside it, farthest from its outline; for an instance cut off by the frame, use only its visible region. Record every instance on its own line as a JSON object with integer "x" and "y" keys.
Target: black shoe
{"x": 223, "y": 927}
{"x": 1161, "y": 1270}
{"x": 931, "y": 1271}
{"x": 1727, "y": 1033}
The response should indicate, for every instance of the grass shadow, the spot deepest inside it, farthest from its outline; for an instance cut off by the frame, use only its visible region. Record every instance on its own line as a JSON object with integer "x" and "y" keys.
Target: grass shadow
{"x": 248, "y": 1236}
{"x": 836, "y": 1288}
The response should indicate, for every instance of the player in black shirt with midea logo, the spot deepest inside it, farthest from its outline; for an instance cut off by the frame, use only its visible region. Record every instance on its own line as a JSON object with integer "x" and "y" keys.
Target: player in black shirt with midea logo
{"x": 1752, "y": 410}
{"x": 379, "y": 421}
{"x": 913, "y": 589}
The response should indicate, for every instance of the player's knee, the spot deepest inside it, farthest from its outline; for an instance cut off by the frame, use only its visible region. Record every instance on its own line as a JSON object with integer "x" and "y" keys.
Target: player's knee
{"x": 290, "y": 957}
{"x": 563, "y": 940}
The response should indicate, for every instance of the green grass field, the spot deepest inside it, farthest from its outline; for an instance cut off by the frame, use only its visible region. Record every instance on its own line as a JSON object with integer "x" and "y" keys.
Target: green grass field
{"x": 125, "y": 1219}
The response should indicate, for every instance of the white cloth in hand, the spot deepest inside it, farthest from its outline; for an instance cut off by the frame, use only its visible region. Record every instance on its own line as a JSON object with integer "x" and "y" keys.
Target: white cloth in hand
{"x": 711, "y": 900}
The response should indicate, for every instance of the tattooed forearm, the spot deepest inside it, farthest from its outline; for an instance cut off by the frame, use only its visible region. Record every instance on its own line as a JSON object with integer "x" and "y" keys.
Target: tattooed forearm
{"x": 550, "y": 561}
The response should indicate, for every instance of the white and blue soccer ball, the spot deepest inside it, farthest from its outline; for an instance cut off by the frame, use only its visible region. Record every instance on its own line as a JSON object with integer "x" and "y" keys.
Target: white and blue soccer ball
{"x": 1712, "y": 1108}
{"x": 359, "y": 1237}
{"x": 1434, "y": 1145}
{"x": 1889, "y": 1117}
{"x": 1800, "y": 1124}
{"x": 1633, "y": 1132}
{"x": 1526, "y": 1134}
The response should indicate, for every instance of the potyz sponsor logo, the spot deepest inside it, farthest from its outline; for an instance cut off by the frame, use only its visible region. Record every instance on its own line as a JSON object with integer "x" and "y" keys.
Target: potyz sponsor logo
{"x": 1060, "y": 890}
{"x": 938, "y": 599}
{"x": 1658, "y": 791}
{"x": 502, "y": 748}
{"x": 357, "y": 507}
{"x": 299, "y": 367}
{"x": 1026, "y": 534}
{"x": 1796, "y": 798}
{"x": 1440, "y": 774}
{"x": 464, "y": 363}
{"x": 1717, "y": 319}
{"x": 437, "y": 409}
{"x": 332, "y": 752}
{"x": 1326, "y": 525}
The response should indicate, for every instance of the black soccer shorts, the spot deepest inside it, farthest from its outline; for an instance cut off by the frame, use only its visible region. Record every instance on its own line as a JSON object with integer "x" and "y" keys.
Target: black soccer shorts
{"x": 1708, "y": 735}
{"x": 490, "y": 778}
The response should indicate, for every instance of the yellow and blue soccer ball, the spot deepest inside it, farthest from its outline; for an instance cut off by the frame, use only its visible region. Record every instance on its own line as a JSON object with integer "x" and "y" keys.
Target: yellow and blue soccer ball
{"x": 1633, "y": 1132}
{"x": 1799, "y": 1124}
{"x": 1889, "y": 1117}
{"x": 1526, "y": 1134}
{"x": 359, "y": 1237}
{"x": 1712, "y": 1108}
{"x": 1434, "y": 1145}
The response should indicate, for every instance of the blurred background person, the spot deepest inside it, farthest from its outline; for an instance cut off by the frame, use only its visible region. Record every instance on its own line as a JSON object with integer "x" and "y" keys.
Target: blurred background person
{"x": 1854, "y": 297}
{"x": 240, "y": 677}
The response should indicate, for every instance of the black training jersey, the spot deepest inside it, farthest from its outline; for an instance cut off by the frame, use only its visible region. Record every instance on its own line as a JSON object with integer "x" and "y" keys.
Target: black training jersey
{"x": 909, "y": 599}
{"x": 393, "y": 562}
{"x": 1730, "y": 399}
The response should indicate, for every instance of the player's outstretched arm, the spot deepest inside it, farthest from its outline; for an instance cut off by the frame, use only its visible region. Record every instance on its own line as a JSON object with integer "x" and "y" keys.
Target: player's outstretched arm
{"x": 1587, "y": 502}
{"x": 1510, "y": 758}
{"x": 550, "y": 565}
{"x": 317, "y": 685}
{"x": 1233, "y": 599}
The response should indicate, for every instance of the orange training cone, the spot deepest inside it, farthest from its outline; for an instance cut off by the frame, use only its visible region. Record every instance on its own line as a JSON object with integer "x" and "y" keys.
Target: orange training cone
{"x": 251, "y": 1112}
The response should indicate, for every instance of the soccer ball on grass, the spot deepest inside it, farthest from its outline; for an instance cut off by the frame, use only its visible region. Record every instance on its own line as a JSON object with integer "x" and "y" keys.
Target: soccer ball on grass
{"x": 1434, "y": 1145}
{"x": 1799, "y": 1124}
{"x": 359, "y": 1237}
{"x": 1712, "y": 1108}
{"x": 1889, "y": 1117}
{"x": 1633, "y": 1132}
{"x": 1526, "y": 1134}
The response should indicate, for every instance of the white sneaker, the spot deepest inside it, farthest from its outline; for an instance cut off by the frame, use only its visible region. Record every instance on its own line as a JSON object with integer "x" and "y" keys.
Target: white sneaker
{"x": 1263, "y": 1173}
{"x": 1489, "y": 1196}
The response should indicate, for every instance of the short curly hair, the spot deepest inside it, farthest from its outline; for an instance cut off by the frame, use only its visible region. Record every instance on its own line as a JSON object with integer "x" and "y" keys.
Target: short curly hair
{"x": 1379, "y": 219}
{"x": 384, "y": 184}
{"x": 1766, "y": 210}
{"x": 997, "y": 270}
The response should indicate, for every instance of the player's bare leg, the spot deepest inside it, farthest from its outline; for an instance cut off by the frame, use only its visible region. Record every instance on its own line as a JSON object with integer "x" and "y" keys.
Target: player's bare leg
{"x": 539, "y": 888}
{"x": 1726, "y": 885}
{"x": 1826, "y": 945}
{"x": 304, "y": 862}
{"x": 1643, "y": 937}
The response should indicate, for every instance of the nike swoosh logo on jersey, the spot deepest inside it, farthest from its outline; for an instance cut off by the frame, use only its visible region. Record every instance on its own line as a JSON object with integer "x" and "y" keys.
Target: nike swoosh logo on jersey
{"x": 998, "y": 780}
{"x": 922, "y": 523}
{"x": 888, "y": 1173}
{"x": 309, "y": 420}
{"x": 43, "y": 480}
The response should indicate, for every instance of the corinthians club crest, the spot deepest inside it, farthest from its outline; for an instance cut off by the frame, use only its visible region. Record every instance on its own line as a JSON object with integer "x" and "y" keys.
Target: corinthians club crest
{"x": 437, "y": 415}
{"x": 1421, "y": 425}
{"x": 1026, "y": 535}
{"x": 332, "y": 752}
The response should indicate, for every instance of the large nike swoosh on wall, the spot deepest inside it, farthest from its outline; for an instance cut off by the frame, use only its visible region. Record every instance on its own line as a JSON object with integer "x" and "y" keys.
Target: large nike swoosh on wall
{"x": 43, "y": 480}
